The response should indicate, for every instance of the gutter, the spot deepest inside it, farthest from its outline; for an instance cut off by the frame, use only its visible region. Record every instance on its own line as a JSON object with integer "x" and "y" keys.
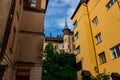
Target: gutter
{"x": 81, "y": 1}
{"x": 92, "y": 37}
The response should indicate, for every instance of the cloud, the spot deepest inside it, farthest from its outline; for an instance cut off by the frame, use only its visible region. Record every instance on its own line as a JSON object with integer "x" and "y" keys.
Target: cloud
{"x": 57, "y": 12}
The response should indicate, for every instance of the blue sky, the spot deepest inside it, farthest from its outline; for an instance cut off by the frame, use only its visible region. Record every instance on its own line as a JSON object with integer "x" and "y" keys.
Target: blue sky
{"x": 57, "y": 12}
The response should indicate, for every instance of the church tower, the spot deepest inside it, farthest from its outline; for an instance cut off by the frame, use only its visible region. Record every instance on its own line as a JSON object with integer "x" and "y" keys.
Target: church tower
{"x": 66, "y": 37}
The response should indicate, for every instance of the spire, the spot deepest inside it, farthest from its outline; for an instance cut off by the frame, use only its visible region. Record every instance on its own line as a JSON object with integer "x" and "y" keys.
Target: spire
{"x": 66, "y": 26}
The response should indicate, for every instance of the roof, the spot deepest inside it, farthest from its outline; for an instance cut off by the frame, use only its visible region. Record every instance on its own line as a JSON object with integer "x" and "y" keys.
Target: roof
{"x": 56, "y": 39}
{"x": 66, "y": 25}
{"x": 81, "y": 1}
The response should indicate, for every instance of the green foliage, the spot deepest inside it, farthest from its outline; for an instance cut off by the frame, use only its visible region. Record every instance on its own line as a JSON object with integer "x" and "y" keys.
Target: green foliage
{"x": 100, "y": 76}
{"x": 58, "y": 65}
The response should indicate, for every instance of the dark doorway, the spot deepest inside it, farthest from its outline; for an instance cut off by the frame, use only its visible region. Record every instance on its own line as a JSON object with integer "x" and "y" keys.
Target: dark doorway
{"x": 86, "y": 75}
{"x": 2, "y": 70}
{"x": 115, "y": 76}
{"x": 22, "y": 77}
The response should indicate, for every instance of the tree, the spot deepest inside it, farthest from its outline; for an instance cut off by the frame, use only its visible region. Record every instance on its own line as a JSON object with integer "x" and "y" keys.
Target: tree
{"x": 58, "y": 65}
{"x": 100, "y": 76}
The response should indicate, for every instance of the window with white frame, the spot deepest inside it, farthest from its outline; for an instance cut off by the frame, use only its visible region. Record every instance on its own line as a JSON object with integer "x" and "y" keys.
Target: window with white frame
{"x": 115, "y": 51}
{"x": 78, "y": 50}
{"x": 102, "y": 58}
{"x": 75, "y": 24}
{"x": 33, "y": 3}
{"x": 76, "y": 36}
{"x": 98, "y": 38}
{"x": 110, "y": 3}
{"x": 95, "y": 21}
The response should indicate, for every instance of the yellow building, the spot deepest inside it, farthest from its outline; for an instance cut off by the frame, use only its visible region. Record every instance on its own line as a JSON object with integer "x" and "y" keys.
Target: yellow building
{"x": 96, "y": 30}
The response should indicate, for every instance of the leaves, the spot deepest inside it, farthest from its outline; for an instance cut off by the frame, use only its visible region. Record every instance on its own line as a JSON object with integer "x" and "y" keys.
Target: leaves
{"x": 58, "y": 65}
{"x": 100, "y": 76}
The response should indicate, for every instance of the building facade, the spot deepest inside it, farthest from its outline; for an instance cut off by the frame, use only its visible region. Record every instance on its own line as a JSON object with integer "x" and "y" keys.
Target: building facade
{"x": 57, "y": 42}
{"x": 96, "y": 30}
{"x": 60, "y": 43}
{"x": 22, "y": 28}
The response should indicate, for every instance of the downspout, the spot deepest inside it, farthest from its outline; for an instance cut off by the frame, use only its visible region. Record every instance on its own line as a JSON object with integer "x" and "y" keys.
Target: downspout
{"x": 92, "y": 37}
{"x": 118, "y": 2}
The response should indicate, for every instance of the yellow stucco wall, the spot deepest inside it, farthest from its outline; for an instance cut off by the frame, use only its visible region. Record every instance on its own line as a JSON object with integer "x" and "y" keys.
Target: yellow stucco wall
{"x": 109, "y": 22}
{"x": 86, "y": 54}
{"x": 108, "y": 26}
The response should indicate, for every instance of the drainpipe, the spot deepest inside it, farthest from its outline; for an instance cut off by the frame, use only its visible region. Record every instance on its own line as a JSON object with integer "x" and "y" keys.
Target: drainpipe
{"x": 118, "y": 2}
{"x": 92, "y": 37}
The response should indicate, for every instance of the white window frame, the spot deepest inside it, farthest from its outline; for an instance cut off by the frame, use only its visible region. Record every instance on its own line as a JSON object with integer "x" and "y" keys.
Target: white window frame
{"x": 110, "y": 4}
{"x": 76, "y": 36}
{"x": 102, "y": 58}
{"x": 75, "y": 24}
{"x": 95, "y": 21}
{"x": 33, "y": 3}
{"x": 114, "y": 52}
{"x": 78, "y": 50}
{"x": 98, "y": 38}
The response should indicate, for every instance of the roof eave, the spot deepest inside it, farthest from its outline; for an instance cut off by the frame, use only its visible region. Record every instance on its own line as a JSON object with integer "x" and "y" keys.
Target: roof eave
{"x": 81, "y": 1}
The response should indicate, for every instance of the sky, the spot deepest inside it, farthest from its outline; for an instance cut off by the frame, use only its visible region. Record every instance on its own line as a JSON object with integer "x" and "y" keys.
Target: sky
{"x": 56, "y": 13}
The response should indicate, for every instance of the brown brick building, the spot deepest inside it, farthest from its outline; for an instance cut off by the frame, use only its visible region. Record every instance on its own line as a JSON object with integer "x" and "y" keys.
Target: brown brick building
{"x": 21, "y": 36}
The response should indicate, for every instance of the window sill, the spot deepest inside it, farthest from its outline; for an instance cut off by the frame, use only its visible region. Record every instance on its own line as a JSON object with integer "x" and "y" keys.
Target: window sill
{"x": 98, "y": 43}
{"x": 102, "y": 63}
{"x": 116, "y": 58}
{"x": 77, "y": 54}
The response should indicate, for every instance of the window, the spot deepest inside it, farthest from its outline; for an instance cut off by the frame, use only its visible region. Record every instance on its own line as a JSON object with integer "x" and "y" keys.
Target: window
{"x": 109, "y": 5}
{"x": 33, "y": 3}
{"x": 78, "y": 50}
{"x": 98, "y": 38}
{"x": 68, "y": 46}
{"x": 102, "y": 58}
{"x": 56, "y": 46}
{"x": 13, "y": 39}
{"x": 76, "y": 36}
{"x": 73, "y": 47}
{"x": 72, "y": 38}
{"x": 79, "y": 66}
{"x": 65, "y": 39}
{"x": 95, "y": 21}
{"x": 115, "y": 51}
{"x": 75, "y": 24}
{"x": 62, "y": 46}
